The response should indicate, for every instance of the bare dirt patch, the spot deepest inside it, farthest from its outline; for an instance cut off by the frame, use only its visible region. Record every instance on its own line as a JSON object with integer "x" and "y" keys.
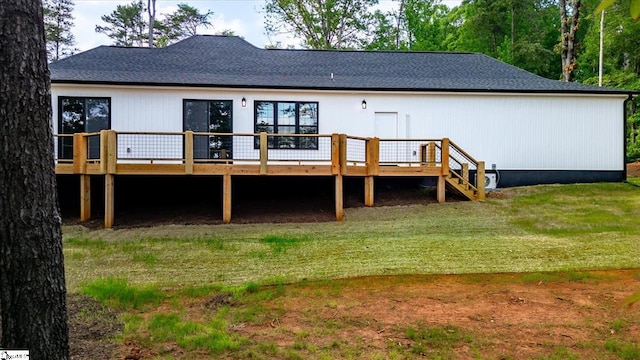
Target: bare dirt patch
{"x": 507, "y": 315}
{"x": 500, "y": 316}
{"x": 92, "y": 328}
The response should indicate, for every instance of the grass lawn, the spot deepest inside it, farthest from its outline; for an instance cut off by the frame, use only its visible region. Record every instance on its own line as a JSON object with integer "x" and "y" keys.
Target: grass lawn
{"x": 542, "y": 228}
{"x": 297, "y": 291}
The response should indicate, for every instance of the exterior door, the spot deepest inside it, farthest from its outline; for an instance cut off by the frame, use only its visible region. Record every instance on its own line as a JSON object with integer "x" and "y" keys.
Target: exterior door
{"x": 386, "y": 127}
{"x": 210, "y": 116}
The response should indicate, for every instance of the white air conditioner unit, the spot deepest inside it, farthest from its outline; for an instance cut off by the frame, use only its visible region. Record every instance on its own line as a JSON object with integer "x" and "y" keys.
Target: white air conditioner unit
{"x": 490, "y": 181}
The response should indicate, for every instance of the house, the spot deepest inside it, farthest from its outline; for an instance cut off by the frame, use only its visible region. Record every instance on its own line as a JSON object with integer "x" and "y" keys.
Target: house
{"x": 526, "y": 129}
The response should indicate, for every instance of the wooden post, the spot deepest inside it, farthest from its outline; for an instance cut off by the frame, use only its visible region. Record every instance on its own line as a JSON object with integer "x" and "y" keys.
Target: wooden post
{"x": 263, "y": 153}
{"x": 431, "y": 153}
{"x": 79, "y": 153}
{"x": 339, "y": 199}
{"x": 445, "y": 156}
{"x": 104, "y": 146}
{"x": 112, "y": 151}
{"x": 480, "y": 181}
{"x": 465, "y": 171}
{"x": 109, "y": 206}
{"x": 188, "y": 152}
{"x": 85, "y": 197}
{"x": 368, "y": 190}
{"x": 343, "y": 154}
{"x": 373, "y": 156}
{"x": 335, "y": 154}
{"x": 226, "y": 197}
{"x": 441, "y": 189}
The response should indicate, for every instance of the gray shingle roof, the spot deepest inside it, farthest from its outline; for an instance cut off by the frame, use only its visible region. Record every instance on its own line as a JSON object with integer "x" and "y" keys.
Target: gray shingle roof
{"x": 221, "y": 61}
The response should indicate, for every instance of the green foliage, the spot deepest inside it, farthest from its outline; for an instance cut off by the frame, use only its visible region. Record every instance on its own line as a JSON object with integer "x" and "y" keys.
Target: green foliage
{"x": 560, "y": 353}
{"x": 634, "y": 7}
{"x": 624, "y": 350}
{"x": 633, "y": 138}
{"x": 199, "y": 291}
{"x": 619, "y": 325}
{"x": 621, "y": 65}
{"x": 427, "y": 25}
{"x": 436, "y": 341}
{"x": 252, "y": 288}
{"x": 332, "y": 24}
{"x": 385, "y": 33}
{"x": 58, "y": 22}
{"x": 212, "y": 336}
{"x": 184, "y": 22}
{"x": 115, "y": 292}
{"x": 126, "y": 25}
{"x": 280, "y": 244}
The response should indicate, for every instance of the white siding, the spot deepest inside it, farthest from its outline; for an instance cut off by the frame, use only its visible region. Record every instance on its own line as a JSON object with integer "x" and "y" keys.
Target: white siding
{"x": 515, "y": 132}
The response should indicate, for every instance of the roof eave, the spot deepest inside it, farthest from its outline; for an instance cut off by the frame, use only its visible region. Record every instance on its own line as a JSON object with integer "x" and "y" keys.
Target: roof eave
{"x": 380, "y": 89}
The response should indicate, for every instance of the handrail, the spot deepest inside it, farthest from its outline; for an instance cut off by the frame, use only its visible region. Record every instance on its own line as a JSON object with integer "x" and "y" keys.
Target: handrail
{"x": 459, "y": 150}
{"x": 233, "y": 134}
{"x": 357, "y": 137}
{"x": 149, "y": 133}
{"x": 409, "y": 140}
{"x": 467, "y": 181}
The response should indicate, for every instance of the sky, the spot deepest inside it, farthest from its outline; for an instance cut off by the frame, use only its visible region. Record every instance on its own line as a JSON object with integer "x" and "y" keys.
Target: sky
{"x": 243, "y": 17}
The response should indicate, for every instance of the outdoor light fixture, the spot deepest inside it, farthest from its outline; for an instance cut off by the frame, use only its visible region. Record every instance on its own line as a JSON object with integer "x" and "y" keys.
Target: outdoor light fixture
{"x": 244, "y": 102}
{"x": 364, "y": 104}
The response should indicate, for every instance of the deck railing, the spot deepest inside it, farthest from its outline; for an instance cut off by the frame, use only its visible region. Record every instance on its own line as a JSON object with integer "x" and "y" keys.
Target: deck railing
{"x": 111, "y": 152}
{"x": 410, "y": 152}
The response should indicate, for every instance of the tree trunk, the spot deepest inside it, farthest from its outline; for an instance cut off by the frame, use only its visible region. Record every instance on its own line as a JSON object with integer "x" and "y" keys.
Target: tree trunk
{"x": 513, "y": 29}
{"x": 33, "y": 292}
{"x": 151, "y": 6}
{"x": 570, "y": 18}
{"x": 399, "y": 24}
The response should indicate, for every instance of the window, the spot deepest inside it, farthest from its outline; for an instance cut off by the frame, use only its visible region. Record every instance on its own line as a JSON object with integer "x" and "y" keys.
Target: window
{"x": 82, "y": 114}
{"x": 210, "y": 116}
{"x": 287, "y": 118}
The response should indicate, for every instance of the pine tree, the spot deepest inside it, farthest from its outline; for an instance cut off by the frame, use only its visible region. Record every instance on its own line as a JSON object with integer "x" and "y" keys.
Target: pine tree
{"x": 58, "y": 21}
{"x": 126, "y": 25}
{"x": 33, "y": 291}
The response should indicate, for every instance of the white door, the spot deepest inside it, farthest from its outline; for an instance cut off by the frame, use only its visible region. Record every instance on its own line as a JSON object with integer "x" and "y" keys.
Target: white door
{"x": 385, "y": 126}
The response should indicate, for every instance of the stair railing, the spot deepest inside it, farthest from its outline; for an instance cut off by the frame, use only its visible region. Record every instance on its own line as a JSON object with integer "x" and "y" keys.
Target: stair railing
{"x": 462, "y": 166}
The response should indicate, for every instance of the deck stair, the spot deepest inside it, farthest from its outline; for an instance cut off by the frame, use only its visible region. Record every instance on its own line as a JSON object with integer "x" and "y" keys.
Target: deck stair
{"x": 458, "y": 170}
{"x": 462, "y": 186}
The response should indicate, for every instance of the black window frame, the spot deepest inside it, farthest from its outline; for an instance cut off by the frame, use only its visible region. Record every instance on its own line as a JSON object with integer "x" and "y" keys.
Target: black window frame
{"x": 272, "y": 143}
{"x": 63, "y": 140}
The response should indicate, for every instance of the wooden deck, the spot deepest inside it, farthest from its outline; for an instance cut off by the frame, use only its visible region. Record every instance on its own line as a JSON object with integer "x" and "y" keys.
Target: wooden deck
{"x": 110, "y": 153}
